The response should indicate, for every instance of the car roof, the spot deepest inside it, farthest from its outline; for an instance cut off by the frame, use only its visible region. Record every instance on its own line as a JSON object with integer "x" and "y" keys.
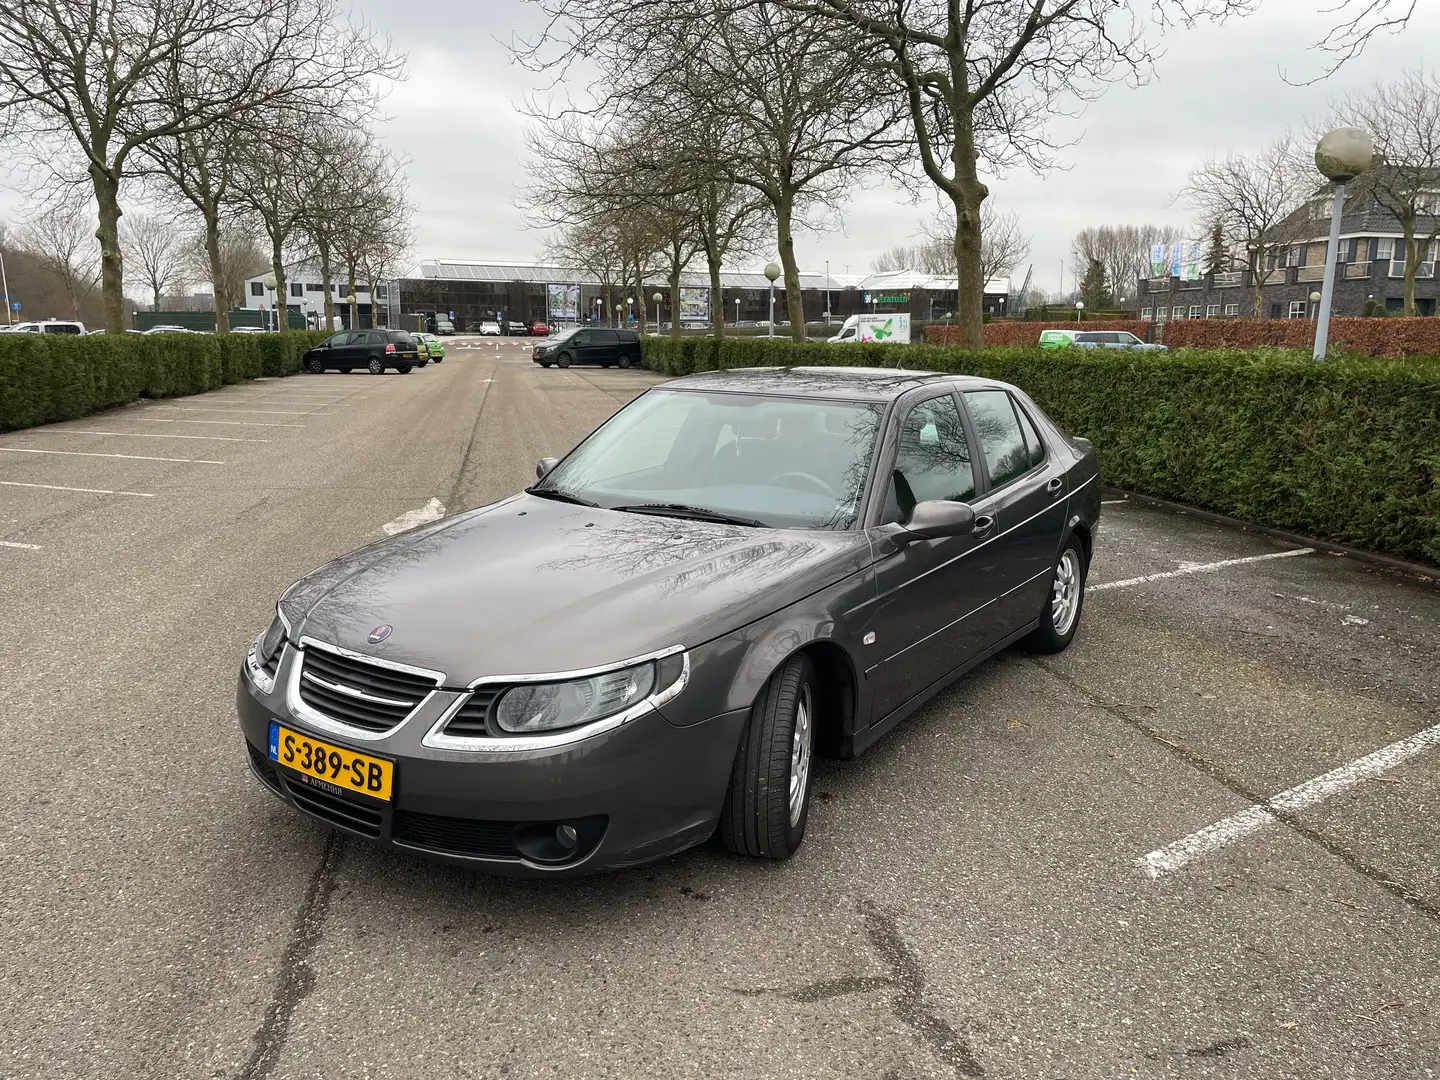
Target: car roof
{"x": 857, "y": 383}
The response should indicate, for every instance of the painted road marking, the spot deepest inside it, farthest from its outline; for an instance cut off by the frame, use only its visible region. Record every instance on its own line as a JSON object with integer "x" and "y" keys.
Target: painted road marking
{"x": 1197, "y": 568}
{"x": 267, "y": 412}
{"x": 433, "y": 510}
{"x": 26, "y": 547}
{"x": 145, "y": 435}
{"x": 227, "y": 423}
{"x": 1172, "y": 857}
{"x": 1113, "y": 502}
{"x": 128, "y": 457}
{"x": 88, "y": 491}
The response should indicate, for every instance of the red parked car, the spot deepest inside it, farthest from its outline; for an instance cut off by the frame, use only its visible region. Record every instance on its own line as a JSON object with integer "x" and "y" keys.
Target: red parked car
{"x": 539, "y": 329}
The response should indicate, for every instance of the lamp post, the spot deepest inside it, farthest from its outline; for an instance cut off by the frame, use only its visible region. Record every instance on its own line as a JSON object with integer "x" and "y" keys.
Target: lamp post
{"x": 598, "y": 305}
{"x": 1079, "y": 310}
{"x": 350, "y": 302}
{"x": 827, "y": 292}
{"x": 630, "y": 309}
{"x": 737, "y": 311}
{"x": 1315, "y": 299}
{"x": 1340, "y": 155}
{"x": 618, "y": 306}
{"x": 772, "y": 272}
{"x": 270, "y": 284}
{"x": 657, "y": 298}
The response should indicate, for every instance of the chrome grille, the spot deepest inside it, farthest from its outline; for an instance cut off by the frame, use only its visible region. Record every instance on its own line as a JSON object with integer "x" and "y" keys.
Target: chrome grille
{"x": 471, "y": 720}
{"x": 359, "y": 693}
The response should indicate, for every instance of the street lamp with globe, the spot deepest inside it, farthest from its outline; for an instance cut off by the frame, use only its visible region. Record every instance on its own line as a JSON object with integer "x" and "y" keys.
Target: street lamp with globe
{"x": 772, "y": 271}
{"x": 1079, "y": 310}
{"x": 657, "y": 297}
{"x": 1341, "y": 155}
{"x": 737, "y": 311}
{"x": 630, "y": 310}
{"x": 350, "y": 302}
{"x": 270, "y": 284}
{"x": 1315, "y": 304}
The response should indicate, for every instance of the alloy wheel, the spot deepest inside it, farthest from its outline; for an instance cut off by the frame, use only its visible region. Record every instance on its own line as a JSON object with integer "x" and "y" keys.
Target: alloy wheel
{"x": 801, "y": 747}
{"x": 1065, "y": 592}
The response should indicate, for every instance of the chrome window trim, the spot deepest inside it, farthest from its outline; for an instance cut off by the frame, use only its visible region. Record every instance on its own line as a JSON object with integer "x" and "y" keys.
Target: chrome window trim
{"x": 436, "y": 738}
{"x": 323, "y": 722}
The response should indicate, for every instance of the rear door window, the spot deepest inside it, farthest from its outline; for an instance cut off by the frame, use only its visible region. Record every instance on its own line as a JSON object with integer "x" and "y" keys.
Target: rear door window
{"x": 1001, "y": 439}
{"x": 1032, "y": 437}
{"x": 604, "y": 337}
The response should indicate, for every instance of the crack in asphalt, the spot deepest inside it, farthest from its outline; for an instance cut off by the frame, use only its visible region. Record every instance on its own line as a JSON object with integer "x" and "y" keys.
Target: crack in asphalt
{"x": 296, "y": 977}
{"x": 906, "y": 979}
{"x": 1398, "y": 889}
{"x": 453, "y": 502}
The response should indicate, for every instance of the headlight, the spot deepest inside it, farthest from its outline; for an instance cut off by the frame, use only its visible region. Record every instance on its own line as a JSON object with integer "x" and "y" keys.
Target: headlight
{"x": 269, "y": 642}
{"x": 551, "y": 706}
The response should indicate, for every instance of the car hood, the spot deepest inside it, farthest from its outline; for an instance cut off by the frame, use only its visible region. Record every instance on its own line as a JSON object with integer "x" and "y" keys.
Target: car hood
{"x": 530, "y": 585}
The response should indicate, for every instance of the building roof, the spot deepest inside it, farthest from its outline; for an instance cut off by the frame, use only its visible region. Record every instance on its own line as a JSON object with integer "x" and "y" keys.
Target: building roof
{"x": 462, "y": 270}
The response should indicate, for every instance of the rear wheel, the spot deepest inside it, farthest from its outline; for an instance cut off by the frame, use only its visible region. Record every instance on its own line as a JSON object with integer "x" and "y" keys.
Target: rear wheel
{"x": 346, "y": 370}
{"x": 545, "y": 364}
{"x": 437, "y": 359}
{"x": 314, "y": 365}
{"x": 422, "y": 362}
{"x": 404, "y": 369}
{"x": 376, "y": 366}
{"x": 563, "y": 359}
{"x": 768, "y": 803}
{"x": 1060, "y": 614}
{"x": 624, "y": 361}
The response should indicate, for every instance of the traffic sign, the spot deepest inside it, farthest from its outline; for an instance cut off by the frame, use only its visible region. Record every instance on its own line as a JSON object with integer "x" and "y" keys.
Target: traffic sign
{"x": 15, "y": 305}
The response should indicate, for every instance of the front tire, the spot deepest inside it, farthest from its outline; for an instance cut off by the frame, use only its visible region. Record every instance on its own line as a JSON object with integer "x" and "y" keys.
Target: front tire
{"x": 768, "y": 803}
{"x": 376, "y": 366}
{"x": 563, "y": 359}
{"x": 314, "y": 365}
{"x": 1060, "y": 613}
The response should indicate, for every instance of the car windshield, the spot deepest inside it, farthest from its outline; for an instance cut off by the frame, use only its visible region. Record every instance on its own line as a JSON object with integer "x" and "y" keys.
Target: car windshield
{"x": 794, "y": 463}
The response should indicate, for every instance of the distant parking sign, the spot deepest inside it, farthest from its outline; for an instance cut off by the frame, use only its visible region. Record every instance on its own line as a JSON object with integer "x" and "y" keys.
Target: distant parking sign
{"x": 15, "y": 305}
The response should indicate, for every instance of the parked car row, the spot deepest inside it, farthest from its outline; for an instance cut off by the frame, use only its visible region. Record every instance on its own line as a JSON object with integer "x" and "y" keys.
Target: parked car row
{"x": 375, "y": 350}
{"x": 513, "y": 328}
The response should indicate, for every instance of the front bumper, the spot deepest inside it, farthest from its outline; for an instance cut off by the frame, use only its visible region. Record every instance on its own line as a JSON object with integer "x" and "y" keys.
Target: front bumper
{"x": 648, "y": 788}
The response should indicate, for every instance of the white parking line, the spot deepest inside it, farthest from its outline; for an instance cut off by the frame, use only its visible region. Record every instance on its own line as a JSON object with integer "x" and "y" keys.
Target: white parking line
{"x": 268, "y": 412}
{"x": 433, "y": 510}
{"x": 1197, "y": 568}
{"x": 128, "y": 457}
{"x": 26, "y": 547}
{"x": 227, "y": 423}
{"x": 1172, "y": 857}
{"x": 88, "y": 491}
{"x": 1113, "y": 502}
{"x": 143, "y": 435}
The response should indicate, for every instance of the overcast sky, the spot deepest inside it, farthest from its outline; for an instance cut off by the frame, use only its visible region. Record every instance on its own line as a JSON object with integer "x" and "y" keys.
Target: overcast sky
{"x": 1217, "y": 89}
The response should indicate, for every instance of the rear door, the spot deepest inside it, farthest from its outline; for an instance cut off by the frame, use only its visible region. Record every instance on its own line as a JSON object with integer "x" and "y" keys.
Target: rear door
{"x": 604, "y": 347}
{"x": 1027, "y": 493}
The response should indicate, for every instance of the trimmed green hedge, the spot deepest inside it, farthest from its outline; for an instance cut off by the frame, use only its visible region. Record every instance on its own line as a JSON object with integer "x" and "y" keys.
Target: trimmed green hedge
{"x": 50, "y": 377}
{"x": 1347, "y": 450}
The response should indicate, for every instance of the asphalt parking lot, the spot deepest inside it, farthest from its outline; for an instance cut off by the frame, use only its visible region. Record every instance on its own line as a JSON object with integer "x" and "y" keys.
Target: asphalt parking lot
{"x": 1200, "y": 843}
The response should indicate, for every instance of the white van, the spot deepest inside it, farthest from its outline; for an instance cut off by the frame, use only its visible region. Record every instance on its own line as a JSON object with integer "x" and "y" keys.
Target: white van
{"x": 893, "y": 328}
{"x": 49, "y": 326}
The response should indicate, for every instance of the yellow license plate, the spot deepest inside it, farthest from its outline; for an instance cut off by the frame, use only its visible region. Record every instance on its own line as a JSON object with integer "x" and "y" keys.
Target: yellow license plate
{"x": 335, "y": 765}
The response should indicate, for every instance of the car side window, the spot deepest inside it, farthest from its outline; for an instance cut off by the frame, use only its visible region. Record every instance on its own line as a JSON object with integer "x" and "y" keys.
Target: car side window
{"x": 933, "y": 459}
{"x": 1032, "y": 437}
{"x": 1001, "y": 440}
{"x": 584, "y": 337}
{"x": 337, "y": 339}
{"x": 1127, "y": 338}
{"x": 604, "y": 337}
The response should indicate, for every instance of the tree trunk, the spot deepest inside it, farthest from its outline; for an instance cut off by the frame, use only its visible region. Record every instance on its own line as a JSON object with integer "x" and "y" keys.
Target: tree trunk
{"x": 281, "y": 305}
{"x": 674, "y": 303}
{"x": 639, "y": 296}
{"x": 1412, "y": 260}
{"x": 609, "y": 312}
{"x": 717, "y": 297}
{"x": 155, "y": 288}
{"x": 1256, "y": 281}
{"x": 794, "y": 302}
{"x": 112, "y": 268}
{"x": 968, "y": 194}
{"x": 217, "y": 271}
{"x": 327, "y": 275}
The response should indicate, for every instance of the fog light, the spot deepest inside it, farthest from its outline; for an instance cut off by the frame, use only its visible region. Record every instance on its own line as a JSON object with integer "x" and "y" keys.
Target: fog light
{"x": 566, "y": 836}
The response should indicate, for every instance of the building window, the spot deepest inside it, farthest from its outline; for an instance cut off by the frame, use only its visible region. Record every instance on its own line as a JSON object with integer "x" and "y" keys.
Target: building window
{"x": 314, "y": 288}
{"x": 1297, "y": 309}
{"x": 1274, "y": 311}
{"x": 1232, "y": 309}
{"x": 297, "y": 289}
{"x": 1160, "y": 313}
{"x": 381, "y": 293}
{"x": 1296, "y": 256}
{"x": 1212, "y": 311}
{"x": 1385, "y": 249}
{"x": 1147, "y": 314}
{"x": 1194, "y": 311}
{"x": 257, "y": 288}
{"x": 1179, "y": 312}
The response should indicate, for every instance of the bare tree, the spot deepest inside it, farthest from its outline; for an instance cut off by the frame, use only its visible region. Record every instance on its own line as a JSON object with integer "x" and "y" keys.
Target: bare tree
{"x": 1123, "y": 252}
{"x": 1403, "y": 117}
{"x": 1002, "y": 244}
{"x": 104, "y": 78}
{"x": 60, "y": 241}
{"x": 1254, "y": 198}
{"x": 982, "y": 80}
{"x": 274, "y": 182}
{"x": 233, "y": 258}
{"x": 156, "y": 247}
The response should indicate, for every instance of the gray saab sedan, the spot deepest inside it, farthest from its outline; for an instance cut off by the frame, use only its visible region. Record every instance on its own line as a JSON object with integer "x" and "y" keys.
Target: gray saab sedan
{"x": 734, "y": 573}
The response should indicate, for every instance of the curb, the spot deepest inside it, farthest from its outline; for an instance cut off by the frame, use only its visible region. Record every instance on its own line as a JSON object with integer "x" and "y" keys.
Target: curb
{"x": 1384, "y": 562}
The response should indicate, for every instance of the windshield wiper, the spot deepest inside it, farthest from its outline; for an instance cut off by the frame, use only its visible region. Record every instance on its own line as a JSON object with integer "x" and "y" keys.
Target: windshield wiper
{"x": 698, "y": 513}
{"x": 559, "y": 496}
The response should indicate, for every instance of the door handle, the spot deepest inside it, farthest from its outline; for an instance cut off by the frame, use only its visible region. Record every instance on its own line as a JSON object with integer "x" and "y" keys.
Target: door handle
{"x": 1055, "y": 485}
{"x": 983, "y": 524}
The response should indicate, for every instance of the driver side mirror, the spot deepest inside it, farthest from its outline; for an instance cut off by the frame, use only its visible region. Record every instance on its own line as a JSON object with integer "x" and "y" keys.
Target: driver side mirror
{"x": 544, "y": 465}
{"x": 935, "y": 518}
